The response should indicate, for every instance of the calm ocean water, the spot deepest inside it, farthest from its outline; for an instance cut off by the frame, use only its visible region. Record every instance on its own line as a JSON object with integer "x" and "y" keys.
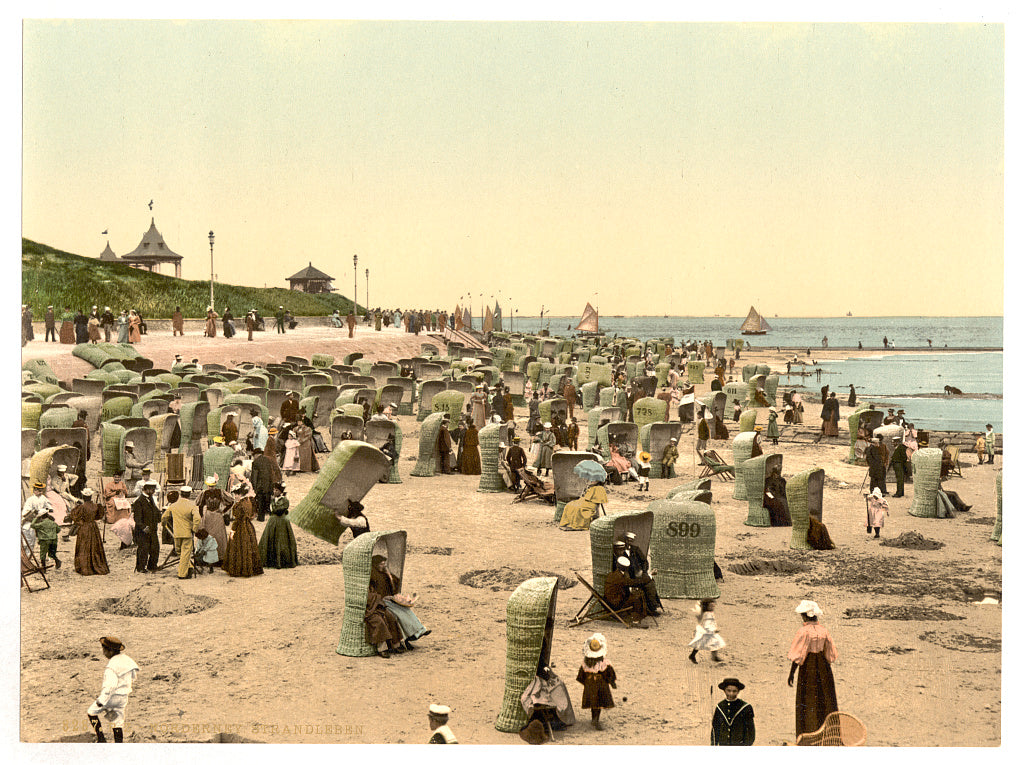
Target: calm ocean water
{"x": 914, "y": 383}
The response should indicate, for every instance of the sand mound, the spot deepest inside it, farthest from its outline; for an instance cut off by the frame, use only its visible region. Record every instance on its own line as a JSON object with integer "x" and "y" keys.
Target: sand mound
{"x": 157, "y": 599}
{"x": 508, "y": 578}
{"x": 911, "y": 540}
{"x": 766, "y": 567}
{"x": 317, "y": 557}
{"x": 961, "y": 641}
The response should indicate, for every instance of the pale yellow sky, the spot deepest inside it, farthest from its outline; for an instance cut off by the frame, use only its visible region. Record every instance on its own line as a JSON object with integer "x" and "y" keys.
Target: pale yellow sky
{"x": 808, "y": 168}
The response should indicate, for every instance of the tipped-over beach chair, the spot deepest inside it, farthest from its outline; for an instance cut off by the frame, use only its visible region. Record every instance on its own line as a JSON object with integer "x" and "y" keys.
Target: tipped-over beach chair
{"x": 349, "y": 472}
{"x": 529, "y": 632}
{"x": 356, "y": 563}
{"x": 713, "y": 465}
{"x": 839, "y": 729}
{"x": 534, "y": 487}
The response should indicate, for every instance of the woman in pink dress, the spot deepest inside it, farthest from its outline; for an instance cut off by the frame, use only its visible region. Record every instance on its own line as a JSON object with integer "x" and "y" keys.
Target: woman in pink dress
{"x": 812, "y": 652}
{"x": 134, "y": 327}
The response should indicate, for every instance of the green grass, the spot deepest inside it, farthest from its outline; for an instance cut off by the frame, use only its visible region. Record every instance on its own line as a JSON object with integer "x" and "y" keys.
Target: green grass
{"x": 62, "y": 279}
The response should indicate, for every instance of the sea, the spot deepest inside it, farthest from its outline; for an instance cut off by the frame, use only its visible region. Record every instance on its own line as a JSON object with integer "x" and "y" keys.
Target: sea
{"x": 913, "y": 382}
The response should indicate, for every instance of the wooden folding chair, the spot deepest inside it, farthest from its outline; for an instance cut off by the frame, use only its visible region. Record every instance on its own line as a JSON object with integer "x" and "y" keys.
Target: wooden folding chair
{"x": 954, "y": 459}
{"x": 30, "y": 565}
{"x": 582, "y": 616}
{"x": 534, "y": 487}
{"x": 714, "y": 465}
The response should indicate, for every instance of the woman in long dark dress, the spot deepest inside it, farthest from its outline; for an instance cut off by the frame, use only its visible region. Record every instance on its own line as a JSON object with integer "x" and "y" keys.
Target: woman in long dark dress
{"x": 471, "y": 451}
{"x": 243, "y": 553}
{"x": 277, "y": 545}
{"x": 90, "y": 557}
{"x": 813, "y": 652}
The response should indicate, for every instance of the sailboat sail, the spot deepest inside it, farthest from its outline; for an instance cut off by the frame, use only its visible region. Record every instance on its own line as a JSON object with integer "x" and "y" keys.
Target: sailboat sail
{"x": 754, "y": 323}
{"x": 497, "y": 318}
{"x": 589, "y": 321}
{"x": 488, "y": 321}
{"x": 467, "y": 319}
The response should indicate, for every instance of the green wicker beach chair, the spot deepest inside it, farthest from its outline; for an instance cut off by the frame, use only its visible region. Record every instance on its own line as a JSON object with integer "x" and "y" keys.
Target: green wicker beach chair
{"x": 605, "y": 530}
{"x": 694, "y": 372}
{"x": 43, "y": 465}
{"x": 31, "y": 411}
{"x": 356, "y": 566}
{"x": 490, "y": 440}
{"x": 119, "y": 406}
{"x": 427, "y": 463}
{"x": 748, "y": 421}
{"x": 351, "y": 423}
{"x": 755, "y": 470}
{"x": 742, "y": 447}
{"x": 349, "y": 472}
{"x": 649, "y": 410}
{"x": 40, "y": 371}
{"x": 567, "y": 485}
{"x": 217, "y": 459}
{"x": 683, "y": 549}
{"x": 997, "y": 530}
{"x": 927, "y": 465}
{"x": 57, "y": 417}
{"x": 450, "y": 402}
{"x": 804, "y": 495}
{"x": 376, "y": 433}
{"x": 654, "y": 437}
{"x": 529, "y": 632}
{"x": 29, "y": 437}
{"x": 623, "y": 433}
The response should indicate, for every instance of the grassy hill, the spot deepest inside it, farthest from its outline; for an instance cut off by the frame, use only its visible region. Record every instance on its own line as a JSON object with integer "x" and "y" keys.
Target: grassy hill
{"x": 62, "y": 279}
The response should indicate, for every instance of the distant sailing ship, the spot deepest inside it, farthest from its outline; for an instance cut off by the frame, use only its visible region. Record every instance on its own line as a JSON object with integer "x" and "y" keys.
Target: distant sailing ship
{"x": 849, "y": 314}
{"x": 588, "y": 325}
{"x": 754, "y": 324}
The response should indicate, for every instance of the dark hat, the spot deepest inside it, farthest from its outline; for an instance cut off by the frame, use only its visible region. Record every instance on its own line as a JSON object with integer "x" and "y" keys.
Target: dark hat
{"x": 731, "y": 681}
{"x": 111, "y": 643}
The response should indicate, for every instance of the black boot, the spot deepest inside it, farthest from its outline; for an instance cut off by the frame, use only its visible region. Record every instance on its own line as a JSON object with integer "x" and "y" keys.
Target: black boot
{"x": 94, "y": 721}
{"x": 118, "y": 735}
{"x": 693, "y": 655}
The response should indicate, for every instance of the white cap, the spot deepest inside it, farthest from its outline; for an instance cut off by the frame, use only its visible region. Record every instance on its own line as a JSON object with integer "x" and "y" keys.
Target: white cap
{"x": 61, "y": 468}
{"x": 129, "y": 443}
{"x": 86, "y": 492}
{"x": 439, "y": 710}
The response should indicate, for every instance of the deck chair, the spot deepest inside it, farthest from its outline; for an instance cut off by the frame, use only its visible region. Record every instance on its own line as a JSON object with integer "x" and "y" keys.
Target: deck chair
{"x": 713, "y": 465}
{"x": 30, "y": 565}
{"x": 535, "y": 487}
{"x": 839, "y": 729}
{"x": 954, "y": 459}
{"x": 588, "y": 614}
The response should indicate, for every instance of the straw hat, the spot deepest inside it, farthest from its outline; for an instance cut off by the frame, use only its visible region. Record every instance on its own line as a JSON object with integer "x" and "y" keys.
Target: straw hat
{"x": 185, "y": 490}
{"x": 547, "y": 424}
{"x": 218, "y": 439}
{"x": 595, "y": 647}
{"x": 62, "y": 468}
{"x": 210, "y": 481}
{"x": 38, "y": 485}
{"x": 644, "y": 457}
{"x": 129, "y": 445}
{"x": 87, "y": 492}
{"x": 808, "y": 607}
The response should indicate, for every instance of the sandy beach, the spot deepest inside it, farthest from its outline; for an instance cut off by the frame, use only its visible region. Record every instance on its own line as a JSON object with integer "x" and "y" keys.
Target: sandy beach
{"x": 919, "y": 658}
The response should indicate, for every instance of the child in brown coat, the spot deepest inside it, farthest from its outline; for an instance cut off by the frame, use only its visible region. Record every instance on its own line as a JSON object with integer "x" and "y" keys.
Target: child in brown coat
{"x": 597, "y": 677}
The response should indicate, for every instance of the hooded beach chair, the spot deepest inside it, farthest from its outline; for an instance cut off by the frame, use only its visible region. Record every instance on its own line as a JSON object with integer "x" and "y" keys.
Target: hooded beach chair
{"x": 604, "y": 532}
{"x": 376, "y": 432}
{"x": 349, "y": 472}
{"x": 755, "y": 471}
{"x": 356, "y": 566}
{"x": 568, "y": 486}
{"x": 683, "y": 549}
{"x": 927, "y": 465}
{"x": 428, "y": 462}
{"x": 742, "y": 448}
{"x": 654, "y": 437}
{"x": 804, "y": 493}
{"x": 529, "y": 632}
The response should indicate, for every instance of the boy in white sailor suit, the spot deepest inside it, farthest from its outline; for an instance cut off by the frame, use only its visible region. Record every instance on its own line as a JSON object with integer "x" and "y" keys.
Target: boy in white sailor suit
{"x": 117, "y": 684}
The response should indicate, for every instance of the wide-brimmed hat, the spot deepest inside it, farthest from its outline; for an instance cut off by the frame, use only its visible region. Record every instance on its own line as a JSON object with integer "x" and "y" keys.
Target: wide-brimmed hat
{"x": 595, "y": 647}
{"x": 808, "y": 607}
{"x": 86, "y": 492}
{"x": 271, "y": 431}
{"x": 218, "y": 439}
{"x": 38, "y": 485}
{"x": 111, "y": 643}
{"x": 547, "y": 424}
{"x": 772, "y": 409}
{"x": 210, "y": 481}
{"x": 731, "y": 681}
{"x": 644, "y": 456}
{"x": 62, "y": 468}
{"x": 876, "y": 493}
{"x": 129, "y": 445}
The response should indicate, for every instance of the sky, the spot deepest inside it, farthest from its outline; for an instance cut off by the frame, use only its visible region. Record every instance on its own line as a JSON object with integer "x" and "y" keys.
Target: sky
{"x": 648, "y": 168}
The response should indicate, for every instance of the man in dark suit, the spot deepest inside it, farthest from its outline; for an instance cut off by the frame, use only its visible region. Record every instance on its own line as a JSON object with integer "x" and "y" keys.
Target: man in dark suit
{"x": 147, "y": 529}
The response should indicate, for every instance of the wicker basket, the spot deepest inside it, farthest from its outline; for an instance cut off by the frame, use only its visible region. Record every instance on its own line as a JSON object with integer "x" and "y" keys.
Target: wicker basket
{"x": 356, "y": 567}
{"x": 349, "y": 472}
{"x": 683, "y": 549}
{"x": 754, "y": 471}
{"x": 427, "y": 461}
{"x": 529, "y": 628}
{"x": 742, "y": 447}
{"x": 927, "y": 466}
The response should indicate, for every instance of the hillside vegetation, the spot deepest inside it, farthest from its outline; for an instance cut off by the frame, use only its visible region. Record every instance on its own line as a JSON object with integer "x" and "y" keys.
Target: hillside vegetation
{"x": 62, "y": 279}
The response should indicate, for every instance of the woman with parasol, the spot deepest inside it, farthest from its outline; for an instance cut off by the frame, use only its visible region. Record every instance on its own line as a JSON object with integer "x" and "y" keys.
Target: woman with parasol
{"x": 578, "y": 514}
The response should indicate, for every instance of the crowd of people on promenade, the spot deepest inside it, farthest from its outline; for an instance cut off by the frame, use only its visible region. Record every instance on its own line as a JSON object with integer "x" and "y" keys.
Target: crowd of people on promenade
{"x": 216, "y": 530}
{"x": 78, "y": 327}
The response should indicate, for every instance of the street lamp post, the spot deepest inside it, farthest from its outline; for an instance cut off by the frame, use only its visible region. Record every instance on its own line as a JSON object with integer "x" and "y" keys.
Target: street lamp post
{"x": 211, "y": 270}
{"x": 355, "y": 285}
{"x": 367, "y": 291}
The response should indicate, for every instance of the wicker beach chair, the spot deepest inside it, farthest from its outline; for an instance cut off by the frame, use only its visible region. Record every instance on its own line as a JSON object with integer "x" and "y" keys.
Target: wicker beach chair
{"x": 428, "y": 461}
{"x": 450, "y": 402}
{"x": 376, "y": 433}
{"x": 356, "y": 566}
{"x": 742, "y": 447}
{"x": 567, "y": 485}
{"x": 408, "y": 388}
{"x": 625, "y": 434}
{"x": 697, "y": 484}
{"x": 712, "y": 464}
{"x": 325, "y": 395}
{"x": 341, "y": 423}
{"x": 649, "y": 410}
{"x": 654, "y": 437}
{"x": 490, "y": 452}
{"x": 804, "y": 493}
{"x": 349, "y": 472}
{"x": 193, "y": 419}
{"x": 529, "y": 632}
{"x": 927, "y": 465}
{"x": 748, "y": 421}
{"x": 43, "y": 465}
{"x": 428, "y": 390}
{"x": 755, "y": 470}
{"x": 683, "y": 549}
{"x": 839, "y": 729}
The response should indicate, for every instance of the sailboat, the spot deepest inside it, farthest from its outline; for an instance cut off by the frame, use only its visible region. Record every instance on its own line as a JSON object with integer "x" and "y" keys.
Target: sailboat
{"x": 588, "y": 326}
{"x": 754, "y": 324}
